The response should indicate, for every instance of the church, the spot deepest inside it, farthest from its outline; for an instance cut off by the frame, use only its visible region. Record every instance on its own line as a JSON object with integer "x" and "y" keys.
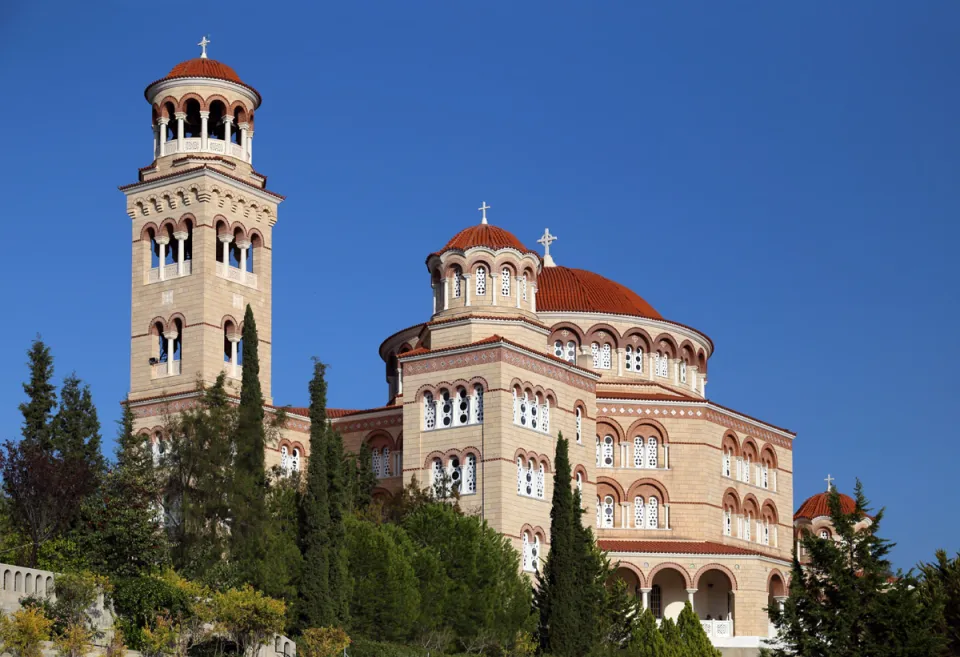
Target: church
{"x": 693, "y": 500}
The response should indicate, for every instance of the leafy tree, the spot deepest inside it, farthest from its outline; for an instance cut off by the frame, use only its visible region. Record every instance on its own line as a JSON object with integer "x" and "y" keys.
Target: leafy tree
{"x": 248, "y": 529}
{"x": 694, "y": 639}
{"x": 22, "y": 633}
{"x": 385, "y": 598}
{"x": 248, "y": 617}
{"x": 847, "y": 602}
{"x": 940, "y": 591}
{"x": 323, "y": 642}
{"x": 43, "y": 491}
{"x": 41, "y": 397}
{"x": 281, "y": 567}
{"x": 195, "y": 473}
{"x": 316, "y": 608}
{"x": 75, "y": 429}
{"x": 336, "y": 498}
{"x": 620, "y": 613}
{"x": 123, "y": 534}
{"x": 75, "y": 604}
{"x": 593, "y": 601}
{"x": 75, "y": 641}
{"x": 646, "y": 640}
{"x": 138, "y": 602}
{"x": 366, "y": 479}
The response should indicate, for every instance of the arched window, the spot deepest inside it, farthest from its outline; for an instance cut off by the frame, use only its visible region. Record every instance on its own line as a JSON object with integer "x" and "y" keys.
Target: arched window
{"x": 824, "y": 534}
{"x": 683, "y": 371}
{"x": 523, "y": 287}
{"x": 765, "y": 476}
{"x": 481, "y": 281}
{"x": 470, "y": 475}
{"x": 527, "y": 553}
{"x": 385, "y": 463}
{"x": 436, "y": 475}
{"x": 523, "y": 406}
{"x": 766, "y": 532}
{"x": 571, "y": 355}
{"x": 661, "y": 361}
{"x": 746, "y": 471}
{"x": 529, "y": 478}
{"x": 579, "y": 415}
{"x": 638, "y": 452}
{"x": 540, "y": 481}
{"x": 653, "y": 517}
{"x": 429, "y": 412}
{"x": 608, "y": 511}
{"x": 545, "y": 415}
{"x": 446, "y": 409}
{"x": 295, "y": 460}
{"x": 457, "y": 282}
{"x": 656, "y": 601}
{"x": 455, "y": 473}
{"x": 595, "y": 352}
{"x": 579, "y": 478}
{"x": 638, "y": 513}
{"x": 285, "y": 460}
{"x": 606, "y": 460}
{"x": 746, "y": 526}
{"x": 505, "y": 282}
{"x": 605, "y": 359}
{"x": 535, "y": 553}
{"x": 558, "y": 348}
{"x": 534, "y": 407}
{"x": 599, "y": 451}
{"x": 462, "y": 408}
{"x": 727, "y": 522}
{"x": 478, "y": 403}
{"x": 521, "y": 475}
{"x": 375, "y": 461}
{"x": 727, "y": 462}
{"x": 633, "y": 359}
{"x": 652, "y": 461}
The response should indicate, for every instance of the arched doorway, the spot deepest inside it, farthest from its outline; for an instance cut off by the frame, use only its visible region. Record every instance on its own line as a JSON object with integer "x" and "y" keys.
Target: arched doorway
{"x": 776, "y": 595}
{"x": 668, "y": 593}
{"x": 714, "y": 602}
{"x": 629, "y": 578}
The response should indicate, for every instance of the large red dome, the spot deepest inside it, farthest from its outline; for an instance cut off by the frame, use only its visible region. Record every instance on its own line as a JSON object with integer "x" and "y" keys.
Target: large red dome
{"x": 484, "y": 235}
{"x": 203, "y": 67}
{"x": 819, "y": 505}
{"x": 578, "y": 290}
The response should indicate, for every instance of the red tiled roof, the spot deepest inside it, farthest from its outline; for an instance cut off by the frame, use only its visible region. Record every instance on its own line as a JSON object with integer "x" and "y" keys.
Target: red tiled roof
{"x": 484, "y": 235}
{"x": 492, "y": 340}
{"x": 202, "y": 67}
{"x": 671, "y": 547}
{"x": 819, "y": 505}
{"x": 578, "y": 290}
{"x": 336, "y": 413}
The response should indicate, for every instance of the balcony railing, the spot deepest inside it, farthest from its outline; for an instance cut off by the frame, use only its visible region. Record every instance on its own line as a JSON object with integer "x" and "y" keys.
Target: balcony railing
{"x": 169, "y": 271}
{"x": 195, "y": 145}
{"x": 161, "y": 370}
{"x": 236, "y": 274}
{"x": 718, "y": 629}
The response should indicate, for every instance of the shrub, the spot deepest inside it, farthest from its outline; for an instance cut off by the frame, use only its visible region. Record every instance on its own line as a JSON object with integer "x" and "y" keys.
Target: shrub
{"x": 248, "y": 617}
{"x": 361, "y": 647}
{"x": 322, "y": 642}
{"x": 74, "y": 641}
{"x": 139, "y": 600}
{"x": 22, "y": 632}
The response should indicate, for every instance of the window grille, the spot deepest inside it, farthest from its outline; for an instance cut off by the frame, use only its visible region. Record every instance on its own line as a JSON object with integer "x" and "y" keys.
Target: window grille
{"x": 429, "y": 412}
{"x": 545, "y": 416}
{"x": 462, "y": 407}
{"x": 375, "y": 461}
{"x": 284, "y": 459}
{"x": 653, "y": 517}
{"x": 599, "y": 514}
{"x": 579, "y": 425}
{"x": 571, "y": 351}
{"x": 526, "y": 552}
{"x": 683, "y": 371}
{"x": 662, "y": 363}
{"x": 540, "y": 482}
{"x": 446, "y": 409}
{"x": 455, "y": 472}
{"x": 638, "y": 517}
{"x": 628, "y": 358}
{"x": 456, "y": 283}
{"x": 652, "y": 461}
{"x": 746, "y": 471}
{"x": 481, "y": 281}
{"x": 528, "y": 479}
{"x": 656, "y": 602}
{"x": 558, "y": 349}
{"x": 535, "y": 554}
{"x": 727, "y": 523}
{"x": 638, "y": 360}
{"x": 580, "y": 485}
{"x": 765, "y": 476}
{"x": 478, "y": 400}
{"x": 608, "y": 511}
{"x": 727, "y": 457}
{"x": 295, "y": 460}
{"x": 385, "y": 462}
{"x": 534, "y": 408}
{"x": 746, "y": 527}
{"x": 524, "y": 407}
{"x": 638, "y": 452}
{"x": 607, "y": 452}
{"x": 523, "y": 287}
{"x": 605, "y": 358}
{"x": 470, "y": 475}
{"x": 505, "y": 282}
{"x": 595, "y": 352}
{"x": 520, "y": 476}
{"x": 436, "y": 474}
{"x": 599, "y": 458}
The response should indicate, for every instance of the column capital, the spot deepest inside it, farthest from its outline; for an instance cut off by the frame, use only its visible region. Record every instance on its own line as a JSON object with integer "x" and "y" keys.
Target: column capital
{"x": 181, "y": 235}
{"x": 243, "y": 244}
{"x": 180, "y": 115}
{"x": 692, "y": 590}
{"x": 163, "y": 120}
{"x": 243, "y": 125}
{"x": 646, "y": 590}
{"x": 162, "y": 239}
{"x": 226, "y": 238}
{"x": 778, "y": 598}
{"x": 234, "y": 337}
{"x": 204, "y": 114}
{"x": 228, "y": 119}
{"x": 171, "y": 335}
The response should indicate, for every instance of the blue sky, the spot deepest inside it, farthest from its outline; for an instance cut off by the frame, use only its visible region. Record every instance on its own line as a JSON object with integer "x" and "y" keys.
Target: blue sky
{"x": 781, "y": 176}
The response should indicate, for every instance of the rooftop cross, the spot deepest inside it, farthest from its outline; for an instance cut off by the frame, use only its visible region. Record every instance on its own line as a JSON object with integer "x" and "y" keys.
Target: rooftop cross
{"x": 829, "y": 481}
{"x": 483, "y": 208}
{"x": 547, "y": 240}
{"x": 204, "y": 42}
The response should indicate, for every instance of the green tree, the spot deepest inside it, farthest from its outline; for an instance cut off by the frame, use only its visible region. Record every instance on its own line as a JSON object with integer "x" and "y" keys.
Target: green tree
{"x": 123, "y": 535}
{"x": 694, "y": 639}
{"x": 847, "y": 601}
{"x": 248, "y": 529}
{"x": 620, "y": 612}
{"x": 366, "y": 479}
{"x": 646, "y": 640}
{"x": 41, "y": 397}
{"x": 337, "y": 500}
{"x": 75, "y": 429}
{"x": 22, "y": 633}
{"x": 671, "y": 639}
{"x": 248, "y": 617}
{"x": 283, "y": 561}
{"x": 940, "y": 591}
{"x": 316, "y": 607}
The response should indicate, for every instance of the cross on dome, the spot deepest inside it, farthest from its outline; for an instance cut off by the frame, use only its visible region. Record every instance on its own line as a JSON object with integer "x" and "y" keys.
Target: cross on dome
{"x": 829, "y": 481}
{"x": 547, "y": 240}
{"x": 204, "y": 42}
{"x": 483, "y": 208}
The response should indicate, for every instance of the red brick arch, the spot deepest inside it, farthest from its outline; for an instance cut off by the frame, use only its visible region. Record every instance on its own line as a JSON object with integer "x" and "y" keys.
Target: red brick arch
{"x": 648, "y": 422}
{"x": 670, "y": 566}
{"x": 715, "y": 566}
{"x": 626, "y": 565}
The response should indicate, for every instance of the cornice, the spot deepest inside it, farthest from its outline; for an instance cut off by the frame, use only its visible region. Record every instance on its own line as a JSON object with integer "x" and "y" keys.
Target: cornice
{"x": 491, "y": 319}
{"x": 161, "y": 86}
{"x": 591, "y": 317}
{"x": 198, "y": 172}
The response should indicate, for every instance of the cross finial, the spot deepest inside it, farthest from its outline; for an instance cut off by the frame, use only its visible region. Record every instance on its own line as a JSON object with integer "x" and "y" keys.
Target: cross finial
{"x": 204, "y": 42}
{"x": 829, "y": 481}
{"x": 483, "y": 208}
{"x": 547, "y": 240}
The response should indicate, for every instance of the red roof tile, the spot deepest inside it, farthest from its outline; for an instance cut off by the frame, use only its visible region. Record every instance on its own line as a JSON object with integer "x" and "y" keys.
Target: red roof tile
{"x": 492, "y": 340}
{"x": 578, "y": 290}
{"x": 202, "y": 67}
{"x": 819, "y": 505}
{"x": 484, "y": 235}
{"x": 671, "y": 547}
{"x": 336, "y": 413}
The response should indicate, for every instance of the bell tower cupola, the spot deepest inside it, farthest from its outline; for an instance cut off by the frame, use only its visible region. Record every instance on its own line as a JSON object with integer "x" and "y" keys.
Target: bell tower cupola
{"x": 202, "y": 235}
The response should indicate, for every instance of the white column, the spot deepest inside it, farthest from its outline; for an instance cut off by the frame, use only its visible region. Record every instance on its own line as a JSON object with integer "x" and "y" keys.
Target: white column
{"x": 226, "y": 238}
{"x": 204, "y": 130}
{"x": 162, "y": 240}
{"x": 690, "y": 593}
{"x": 517, "y": 285}
{"x": 243, "y": 245}
{"x": 399, "y": 379}
{"x": 780, "y": 600}
{"x": 446, "y": 293}
{"x": 243, "y": 136}
{"x": 433, "y": 290}
{"x": 234, "y": 342}
{"x": 181, "y": 238}
{"x": 624, "y": 516}
{"x": 155, "y": 129}
{"x": 181, "y": 117}
{"x": 163, "y": 134}
{"x": 618, "y": 354}
{"x": 250, "y": 146}
{"x": 466, "y": 287}
{"x": 494, "y": 278}
{"x": 227, "y": 120}
{"x": 666, "y": 516}
{"x": 645, "y": 598}
{"x": 533, "y": 297}
{"x": 171, "y": 337}
{"x": 666, "y": 457}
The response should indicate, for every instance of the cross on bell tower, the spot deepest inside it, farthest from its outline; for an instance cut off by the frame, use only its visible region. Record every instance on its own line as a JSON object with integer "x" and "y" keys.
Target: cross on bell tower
{"x": 547, "y": 240}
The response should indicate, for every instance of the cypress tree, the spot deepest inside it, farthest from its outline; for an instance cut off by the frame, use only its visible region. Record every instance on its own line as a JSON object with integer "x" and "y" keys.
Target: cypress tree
{"x": 556, "y": 596}
{"x": 337, "y": 500}
{"x": 646, "y": 640}
{"x": 248, "y": 532}
{"x": 41, "y": 395}
{"x": 694, "y": 639}
{"x": 591, "y": 572}
{"x": 75, "y": 429}
{"x": 316, "y": 608}
{"x": 366, "y": 479}
{"x": 940, "y": 592}
{"x": 671, "y": 638}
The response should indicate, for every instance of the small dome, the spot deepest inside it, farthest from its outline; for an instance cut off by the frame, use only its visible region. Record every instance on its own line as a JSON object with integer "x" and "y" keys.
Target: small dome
{"x": 578, "y": 290}
{"x": 484, "y": 235}
{"x": 203, "y": 67}
{"x": 819, "y": 505}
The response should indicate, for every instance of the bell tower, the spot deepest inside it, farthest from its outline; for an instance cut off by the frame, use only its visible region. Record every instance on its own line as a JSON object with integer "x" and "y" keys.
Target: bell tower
{"x": 202, "y": 232}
